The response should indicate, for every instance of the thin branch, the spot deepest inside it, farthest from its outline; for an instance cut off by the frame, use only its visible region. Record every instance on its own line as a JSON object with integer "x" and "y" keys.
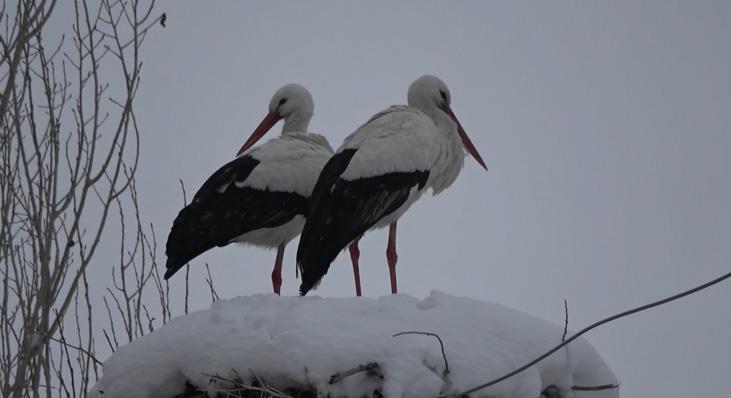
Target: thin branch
{"x": 187, "y": 287}
{"x": 237, "y": 386}
{"x": 593, "y": 326}
{"x": 372, "y": 369}
{"x": 64, "y": 343}
{"x": 182, "y": 188}
{"x": 187, "y": 265}
{"x": 565, "y": 320}
{"x": 595, "y": 388}
{"x": 441, "y": 345}
{"x": 209, "y": 281}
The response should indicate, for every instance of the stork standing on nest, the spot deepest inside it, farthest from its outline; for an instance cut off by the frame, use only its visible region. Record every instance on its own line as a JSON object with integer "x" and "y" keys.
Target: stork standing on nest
{"x": 260, "y": 197}
{"x": 377, "y": 174}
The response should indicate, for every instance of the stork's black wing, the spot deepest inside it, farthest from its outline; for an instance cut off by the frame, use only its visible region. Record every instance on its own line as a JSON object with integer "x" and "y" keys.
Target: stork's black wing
{"x": 340, "y": 211}
{"x": 223, "y": 209}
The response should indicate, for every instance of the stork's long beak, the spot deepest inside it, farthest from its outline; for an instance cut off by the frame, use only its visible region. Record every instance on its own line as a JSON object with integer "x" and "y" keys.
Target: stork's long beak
{"x": 269, "y": 121}
{"x": 466, "y": 140}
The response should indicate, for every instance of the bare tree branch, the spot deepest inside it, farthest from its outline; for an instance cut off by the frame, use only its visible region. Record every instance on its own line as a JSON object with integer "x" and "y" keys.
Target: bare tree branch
{"x": 65, "y": 160}
{"x": 63, "y": 342}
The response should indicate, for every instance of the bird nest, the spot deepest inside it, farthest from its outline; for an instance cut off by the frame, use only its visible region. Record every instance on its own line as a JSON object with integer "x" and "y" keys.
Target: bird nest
{"x": 241, "y": 389}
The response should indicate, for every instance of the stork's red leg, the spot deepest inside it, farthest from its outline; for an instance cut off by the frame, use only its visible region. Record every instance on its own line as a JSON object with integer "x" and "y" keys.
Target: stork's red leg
{"x": 277, "y": 272}
{"x": 392, "y": 256}
{"x": 354, "y": 256}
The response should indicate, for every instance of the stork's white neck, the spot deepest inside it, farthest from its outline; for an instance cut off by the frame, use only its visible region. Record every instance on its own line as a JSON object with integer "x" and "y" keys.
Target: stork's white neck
{"x": 431, "y": 96}
{"x": 451, "y": 152}
{"x": 451, "y": 155}
{"x": 296, "y": 122}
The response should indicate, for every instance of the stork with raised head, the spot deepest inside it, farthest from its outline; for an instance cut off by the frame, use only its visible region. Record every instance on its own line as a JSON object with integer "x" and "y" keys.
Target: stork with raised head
{"x": 260, "y": 197}
{"x": 377, "y": 174}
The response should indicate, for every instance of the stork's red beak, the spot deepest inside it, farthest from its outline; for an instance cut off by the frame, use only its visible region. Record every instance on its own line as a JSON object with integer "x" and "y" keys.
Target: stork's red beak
{"x": 466, "y": 140}
{"x": 269, "y": 121}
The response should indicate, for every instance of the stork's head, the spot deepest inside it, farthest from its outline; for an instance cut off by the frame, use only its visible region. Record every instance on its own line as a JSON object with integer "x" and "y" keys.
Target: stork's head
{"x": 294, "y": 104}
{"x": 430, "y": 95}
{"x": 428, "y": 92}
{"x": 291, "y": 101}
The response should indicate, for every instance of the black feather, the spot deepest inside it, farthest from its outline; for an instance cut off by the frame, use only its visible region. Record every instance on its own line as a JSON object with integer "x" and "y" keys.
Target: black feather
{"x": 221, "y": 211}
{"x": 340, "y": 211}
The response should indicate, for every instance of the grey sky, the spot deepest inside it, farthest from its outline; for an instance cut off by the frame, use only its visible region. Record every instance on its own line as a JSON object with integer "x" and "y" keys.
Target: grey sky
{"x": 606, "y": 127}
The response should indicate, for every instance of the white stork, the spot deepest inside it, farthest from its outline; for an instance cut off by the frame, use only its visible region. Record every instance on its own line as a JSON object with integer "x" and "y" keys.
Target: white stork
{"x": 377, "y": 174}
{"x": 260, "y": 197}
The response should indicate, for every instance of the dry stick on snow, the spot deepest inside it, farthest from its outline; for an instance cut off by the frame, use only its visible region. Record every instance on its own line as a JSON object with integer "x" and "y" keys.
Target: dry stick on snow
{"x": 372, "y": 369}
{"x": 445, "y": 374}
{"x": 595, "y": 388}
{"x": 273, "y": 392}
{"x": 593, "y": 326}
{"x": 441, "y": 345}
{"x": 237, "y": 386}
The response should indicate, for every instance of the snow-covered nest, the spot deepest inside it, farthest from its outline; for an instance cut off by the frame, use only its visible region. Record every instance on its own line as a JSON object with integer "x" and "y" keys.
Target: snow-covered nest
{"x": 301, "y": 342}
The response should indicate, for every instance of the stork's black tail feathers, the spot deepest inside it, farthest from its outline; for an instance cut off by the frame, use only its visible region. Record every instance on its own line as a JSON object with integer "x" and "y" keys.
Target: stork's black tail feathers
{"x": 225, "y": 208}
{"x": 223, "y": 217}
{"x": 184, "y": 244}
{"x": 316, "y": 251}
{"x": 197, "y": 226}
{"x": 171, "y": 271}
{"x": 340, "y": 211}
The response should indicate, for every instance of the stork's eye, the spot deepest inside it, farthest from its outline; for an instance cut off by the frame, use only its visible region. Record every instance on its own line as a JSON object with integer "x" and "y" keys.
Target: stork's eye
{"x": 444, "y": 95}
{"x": 282, "y": 101}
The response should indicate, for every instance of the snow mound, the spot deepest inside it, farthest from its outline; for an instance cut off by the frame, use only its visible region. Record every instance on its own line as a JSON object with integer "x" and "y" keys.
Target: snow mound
{"x": 303, "y": 341}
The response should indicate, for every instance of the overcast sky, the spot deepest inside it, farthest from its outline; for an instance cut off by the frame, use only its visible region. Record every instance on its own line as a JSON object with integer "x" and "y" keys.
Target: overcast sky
{"x": 606, "y": 127}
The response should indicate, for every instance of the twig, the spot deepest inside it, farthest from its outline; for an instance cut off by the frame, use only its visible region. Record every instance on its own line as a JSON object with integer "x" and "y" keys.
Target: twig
{"x": 595, "y": 388}
{"x": 565, "y": 320}
{"x": 62, "y": 342}
{"x": 447, "y": 383}
{"x": 182, "y": 188}
{"x": 209, "y": 281}
{"x": 268, "y": 388}
{"x": 372, "y": 369}
{"x": 238, "y": 386}
{"x": 595, "y": 325}
{"x": 441, "y": 345}
{"x": 187, "y": 265}
{"x": 187, "y": 285}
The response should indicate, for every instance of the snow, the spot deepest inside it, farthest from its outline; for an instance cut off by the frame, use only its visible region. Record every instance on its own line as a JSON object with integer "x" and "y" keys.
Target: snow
{"x": 296, "y": 341}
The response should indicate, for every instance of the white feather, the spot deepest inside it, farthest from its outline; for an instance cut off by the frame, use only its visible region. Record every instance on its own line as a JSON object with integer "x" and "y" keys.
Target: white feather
{"x": 404, "y": 139}
{"x": 290, "y": 163}
{"x": 399, "y": 139}
{"x": 273, "y": 237}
